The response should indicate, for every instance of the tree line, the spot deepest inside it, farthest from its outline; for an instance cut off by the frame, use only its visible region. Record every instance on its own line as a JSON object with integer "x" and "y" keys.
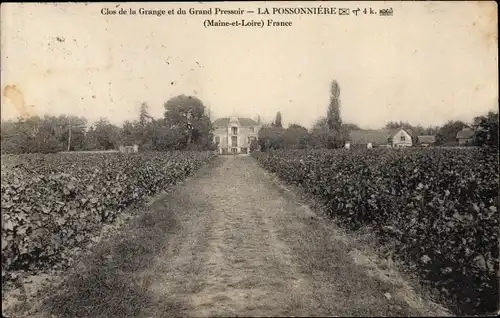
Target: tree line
{"x": 330, "y": 131}
{"x": 185, "y": 125}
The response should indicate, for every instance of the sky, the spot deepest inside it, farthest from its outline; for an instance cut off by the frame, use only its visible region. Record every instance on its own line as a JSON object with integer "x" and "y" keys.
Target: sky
{"x": 429, "y": 63}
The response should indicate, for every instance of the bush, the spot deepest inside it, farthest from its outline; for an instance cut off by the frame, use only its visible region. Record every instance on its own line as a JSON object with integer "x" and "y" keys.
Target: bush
{"x": 50, "y": 202}
{"x": 254, "y": 145}
{"x": 439, "y": 207}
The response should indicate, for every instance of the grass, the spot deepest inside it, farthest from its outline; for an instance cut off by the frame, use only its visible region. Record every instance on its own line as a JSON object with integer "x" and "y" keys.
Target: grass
{"x": 340, "y": 257}
{"x": 108, "y": 283}
{"x": 195, "y": 250}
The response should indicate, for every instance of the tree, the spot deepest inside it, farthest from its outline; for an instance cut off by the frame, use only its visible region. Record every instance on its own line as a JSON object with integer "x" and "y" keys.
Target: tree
{"x": 334, "y": 136}
{"x": 296, "y": 136}
{"x": 277, "y": 122}
{"x": 417, "y": 130}
{"x": 27, "y": 130}
{"x": 144, "y": 117}
{"x": 90, "y": 139}
{"x": 348, "y": 127}
{"x": 9, "y": 138}
{"x": 186, "y": 116}
{"x": 319, "y": 132}
{"x": 394, "y": 125}
{"x": 322, "y": 136}
{"x": 18, "y": 136}
{"x": 164, "y": 138}
{"x": 486, "y": 128}
{"x": 254, "y": 145}
{"x": 105, "y": 135}
{"x": 448, "y": 133}
{"x": 143, "y": 129}
{"x": 209, "y": 113}
{"x": 431, "y": 130}
{"x": 320, "y": 125}
{"x": 271, "y": 137}
{"x": 129, "y": 133}
{"x": 44, "y": 135}
{"x": 490, "y": 117}
{"x": 334, "y": 121}
{"x": 50, "y": 135}
{"x": 72, "y": 132}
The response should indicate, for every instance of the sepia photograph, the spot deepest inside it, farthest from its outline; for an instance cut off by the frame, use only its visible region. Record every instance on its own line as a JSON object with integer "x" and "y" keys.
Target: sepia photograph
{"x": 250, "y": 159}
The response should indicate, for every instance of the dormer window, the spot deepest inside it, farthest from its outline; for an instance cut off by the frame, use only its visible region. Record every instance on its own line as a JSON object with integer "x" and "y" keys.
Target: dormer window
{"x": 234, "y": 130}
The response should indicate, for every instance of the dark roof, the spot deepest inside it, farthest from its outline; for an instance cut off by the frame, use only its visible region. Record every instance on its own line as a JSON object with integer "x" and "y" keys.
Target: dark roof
{"x": 465, "y": 133}
{"x": 427, "y": 139}
{"x": 396, "y": 130}
{"x": 245, "y": 122}
{"x": 376, "y": 137}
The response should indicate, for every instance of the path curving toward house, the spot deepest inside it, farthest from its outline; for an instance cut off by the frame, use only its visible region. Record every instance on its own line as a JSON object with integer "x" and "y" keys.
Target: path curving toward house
{"x": 230, "y": 241}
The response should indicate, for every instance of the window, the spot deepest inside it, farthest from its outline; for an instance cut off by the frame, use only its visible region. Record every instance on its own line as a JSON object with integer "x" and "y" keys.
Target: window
{"x": 402, "y": 138}
{"x": 234, "y": 150}
{"x": 234, "y": 130}
{"x": 234, "y": 141}
{"x": 217, "y": 139}
{"x": 251, "y": 129}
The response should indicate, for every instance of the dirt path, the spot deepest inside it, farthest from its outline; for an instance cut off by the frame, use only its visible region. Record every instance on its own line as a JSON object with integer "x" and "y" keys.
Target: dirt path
{"x": 230, "y": 242}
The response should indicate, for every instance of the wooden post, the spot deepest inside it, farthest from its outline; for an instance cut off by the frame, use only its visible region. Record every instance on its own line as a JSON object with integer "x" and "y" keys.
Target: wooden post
{"x": 69, "y": 136}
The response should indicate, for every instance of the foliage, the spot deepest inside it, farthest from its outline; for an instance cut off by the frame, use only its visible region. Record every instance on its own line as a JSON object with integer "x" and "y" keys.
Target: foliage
{"x": 417, "y": 130}
{"x": 144, "y": 117}
{"x": 128, "y": 133}
{"x": 53, "y": 201}
{"x": 448, "y": 132}
{"x": 103, "y": 135}
{"x": 185, "y": 124}
{"x": 348, "y": 127}
{"x": 486, "y": 128}
{"x": 296, "y": 136}
{"x": 319, "y": 126}
{"x": 333, "y": 120}
{"x": 489, "y": 117}
{"x": 164, "y": 138}
{"x": 45, "y": 135}
{"x": 254, "y": 145}
{"x": 323, "y": 137}
{"x": 187, "y": 117}
{"x": 439, "y": 207}
{"x": 271, "y": 138}
{"x": 329, "y": 132}
{"x": 298, "y": 127}
{"x": 277, "y": 122}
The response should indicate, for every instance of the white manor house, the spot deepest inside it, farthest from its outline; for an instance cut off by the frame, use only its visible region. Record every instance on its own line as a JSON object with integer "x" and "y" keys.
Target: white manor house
{"x": 235, "y": 134}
